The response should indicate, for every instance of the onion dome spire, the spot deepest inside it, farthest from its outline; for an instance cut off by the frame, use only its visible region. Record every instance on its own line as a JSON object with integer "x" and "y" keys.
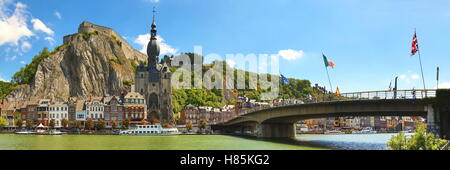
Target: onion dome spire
{"x": 153, "y": 48}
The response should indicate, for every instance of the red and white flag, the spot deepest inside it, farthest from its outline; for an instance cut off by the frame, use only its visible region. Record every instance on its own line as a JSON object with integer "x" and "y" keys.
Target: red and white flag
{"x": 415, "y": 45}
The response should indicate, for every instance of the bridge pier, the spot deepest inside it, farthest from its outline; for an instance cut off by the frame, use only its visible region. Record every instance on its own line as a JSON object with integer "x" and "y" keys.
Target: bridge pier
{"x": 439, "y": 114}
{"x": 276, "y": 130}
{"x": 433, "y": 120}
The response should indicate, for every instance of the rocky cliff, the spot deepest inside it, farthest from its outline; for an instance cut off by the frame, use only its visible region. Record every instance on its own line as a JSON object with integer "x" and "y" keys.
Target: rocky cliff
{"x": 96, "y": 61}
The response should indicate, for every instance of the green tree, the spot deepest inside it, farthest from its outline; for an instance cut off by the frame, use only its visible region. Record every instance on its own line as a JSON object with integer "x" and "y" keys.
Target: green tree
{"x": 19, "y": 123}
{"x": 6, "y": 88}
{"x": 398, "y": 142}
{"x": 114, "y": 124}
{"x": 89, "y": 125}
{"x": 420, "y": 140}
{"x": 65, "y": 123}
{"x": 3, "y": 122}
{"x": 78, "y": 124}
{"x": 203, "y": 124}
{"x": 101, "y": 124}
{"x": 189, "y": 126}
{"x": 29, "y": 124}
{"x": 27, "y": 73}
{"x": 52, "y": 124}
{"x": 126, "y": 123}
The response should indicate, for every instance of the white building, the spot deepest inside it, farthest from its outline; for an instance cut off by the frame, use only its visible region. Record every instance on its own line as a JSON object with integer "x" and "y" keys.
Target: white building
{"x": 95, "y": 109}
{"x": 58, "y": 112}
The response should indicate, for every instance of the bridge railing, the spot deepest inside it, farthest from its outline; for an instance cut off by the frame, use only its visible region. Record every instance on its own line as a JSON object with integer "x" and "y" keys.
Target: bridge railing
{"x": 388, "y": 94}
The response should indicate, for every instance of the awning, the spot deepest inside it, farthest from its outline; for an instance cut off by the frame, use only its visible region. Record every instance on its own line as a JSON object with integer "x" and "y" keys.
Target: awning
{"x": 41, "y": 126}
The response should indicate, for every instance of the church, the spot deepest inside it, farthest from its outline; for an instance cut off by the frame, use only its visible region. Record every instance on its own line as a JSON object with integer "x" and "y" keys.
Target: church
{"x": 154, "y": 82}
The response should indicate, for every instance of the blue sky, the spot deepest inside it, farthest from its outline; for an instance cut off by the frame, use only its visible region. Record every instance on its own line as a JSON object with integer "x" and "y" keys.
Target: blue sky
{"x": 369, "y": 41}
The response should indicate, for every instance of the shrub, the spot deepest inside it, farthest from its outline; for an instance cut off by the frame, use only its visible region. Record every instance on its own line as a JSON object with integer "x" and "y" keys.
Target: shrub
{"x": 419, "y": 141}
{"x": 128, "y": 82}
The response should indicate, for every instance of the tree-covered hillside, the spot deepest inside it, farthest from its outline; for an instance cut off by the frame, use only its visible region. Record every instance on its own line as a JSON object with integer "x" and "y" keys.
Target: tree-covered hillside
{"x": 295, "y": 89}
{"x": 5, "y": 88}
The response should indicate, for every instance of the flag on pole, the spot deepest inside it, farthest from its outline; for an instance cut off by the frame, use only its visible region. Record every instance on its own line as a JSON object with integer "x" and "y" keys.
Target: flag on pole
{"x": 328, "y": 63}
{"x": 284, "y": 80}
{"x": 415, "y": 45}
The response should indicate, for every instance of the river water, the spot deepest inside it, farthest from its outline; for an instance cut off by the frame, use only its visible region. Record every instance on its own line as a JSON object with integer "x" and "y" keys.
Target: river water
{"x": 190, "y": 142}
{"x": 350, "y": 141}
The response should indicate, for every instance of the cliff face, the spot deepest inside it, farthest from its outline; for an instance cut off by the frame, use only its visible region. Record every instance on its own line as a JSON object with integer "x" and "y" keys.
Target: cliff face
{"x": 94, "y": 62}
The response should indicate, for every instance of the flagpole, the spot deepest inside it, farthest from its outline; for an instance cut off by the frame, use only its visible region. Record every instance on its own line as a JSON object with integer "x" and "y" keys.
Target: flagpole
{"x": 329, "y": 80}
{"x": 421, "y": 67}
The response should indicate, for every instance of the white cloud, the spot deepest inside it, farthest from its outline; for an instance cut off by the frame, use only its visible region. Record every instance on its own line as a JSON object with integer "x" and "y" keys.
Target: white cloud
{"x": 38, "y": 25}
{"x": 50, "y": 40}
{"x": 152, "y": 1}
{"x": 22, "y": 62}
{"x": 415, "y": 76}
{"x": 402, "y": 76}
{"x": 143, "y": 40}
{"x": 12, "y": 58}
{"x": 291, "y": 54}
{"x": 2, "y": 79}
{"x": 13, "y": 27}
{"x": 26, "y": 46}
{"x": 410, "y": 78}
{"x": 58, "y": 15}
{"x": 444, "y": 85}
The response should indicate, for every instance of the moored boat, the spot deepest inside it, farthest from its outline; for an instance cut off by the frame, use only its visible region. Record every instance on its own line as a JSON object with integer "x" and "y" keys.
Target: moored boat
{"x": 365, "y": 131}
{"x": 25, "y": 133}
{"x": 150, "y": 130}
{"x": 329, "y": 132}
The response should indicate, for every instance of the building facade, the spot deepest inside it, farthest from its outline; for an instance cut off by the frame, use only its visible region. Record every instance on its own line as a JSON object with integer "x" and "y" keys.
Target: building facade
{"x": 135, "y": 107}
{"x": 59, "y": 111}
{"x": 154, "y": 83}
{"x": 42, "y": 112}
{"x": 80, "y": 111}
{"x": 113, "y": 111}
{"x": 95, "y": 108}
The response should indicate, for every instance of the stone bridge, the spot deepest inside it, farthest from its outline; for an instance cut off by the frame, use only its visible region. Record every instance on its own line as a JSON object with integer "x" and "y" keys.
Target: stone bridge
{"x": 279, "y": 122}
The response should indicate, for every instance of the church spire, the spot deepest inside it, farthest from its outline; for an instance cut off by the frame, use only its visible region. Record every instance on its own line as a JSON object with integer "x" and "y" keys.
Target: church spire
{"x": 154, "y": 31}
{"x": 153, "y": 49}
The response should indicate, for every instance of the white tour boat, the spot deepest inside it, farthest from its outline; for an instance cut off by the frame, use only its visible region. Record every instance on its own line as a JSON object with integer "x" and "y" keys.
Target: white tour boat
{"x": 365, "y": 131}
{"x": 150, "y": 130}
